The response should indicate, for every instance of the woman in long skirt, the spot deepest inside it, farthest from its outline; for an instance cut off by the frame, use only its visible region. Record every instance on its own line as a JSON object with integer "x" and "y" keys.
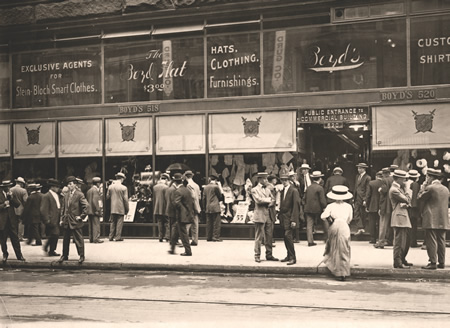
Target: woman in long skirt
{"x": 337, "y": 250}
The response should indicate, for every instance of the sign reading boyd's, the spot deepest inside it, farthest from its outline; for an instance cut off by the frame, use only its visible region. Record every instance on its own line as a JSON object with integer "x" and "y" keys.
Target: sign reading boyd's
{"x": 54, "y": 79}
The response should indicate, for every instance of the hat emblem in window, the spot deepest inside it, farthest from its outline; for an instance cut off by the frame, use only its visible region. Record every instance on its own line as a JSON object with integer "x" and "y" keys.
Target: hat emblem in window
{"x": 251, "y": 128}
{"x": 33, "y": 136}
{"x": 424, "y": 122}
{"x": 128, "y": 131}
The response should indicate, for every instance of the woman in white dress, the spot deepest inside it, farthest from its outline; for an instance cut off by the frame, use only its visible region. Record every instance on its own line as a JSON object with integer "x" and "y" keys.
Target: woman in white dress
{"x": 337, "y": 250}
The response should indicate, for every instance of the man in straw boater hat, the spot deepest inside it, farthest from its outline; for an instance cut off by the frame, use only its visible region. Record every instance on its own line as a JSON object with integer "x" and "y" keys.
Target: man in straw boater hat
{"x": 360, "y": 191}
{"x": 20, "y": 194}
{"x": 289, "y": 216}
{"x": 338, "y": 214}
{"x": 400, "y": 219}
{"x": 74, "y": 210}
{"x": 314, "y": 204}
{"x": 373, "y": 206}
{"x": 261, "y": 217}
{"x": 118, "y": 194}
{"x": 434, "y": 200}
{"x": 51, "y": 205}
{"x": 414, "y": 214}
{"x": 8, "y": 221}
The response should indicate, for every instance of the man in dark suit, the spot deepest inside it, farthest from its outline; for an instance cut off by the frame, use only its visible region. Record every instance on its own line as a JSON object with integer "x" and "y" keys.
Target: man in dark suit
{"x": 211, "y": 200}
{"x": 32, "y": 214}
{"x": 414, "y": 214}
{"x": 51, "y": 216}
{"x": 8, "y": 221}
{"x": 337, "y": 179}
{"x": 289, "y": 216}
{"x": 373, "y": 206}
{"x": 360, "y": 193}
{"x": 314, "y": 204}
{"x": 184, "y": 205}
{"x": 75, "y": 208}
{"x": 435, "y": 198}
{"x": 171, "y": 213}
{"x": 94, "y": 210}
{"x": 385, "y": 208}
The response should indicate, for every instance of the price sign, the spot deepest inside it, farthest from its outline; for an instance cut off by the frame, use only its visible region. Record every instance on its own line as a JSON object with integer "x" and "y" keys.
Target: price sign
{"x": 129, "y": 218}
{"x": 241, "y": 213}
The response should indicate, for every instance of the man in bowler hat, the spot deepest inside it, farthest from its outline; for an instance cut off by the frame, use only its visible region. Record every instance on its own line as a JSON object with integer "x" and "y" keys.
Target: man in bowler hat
{"x": 75, "y": 208}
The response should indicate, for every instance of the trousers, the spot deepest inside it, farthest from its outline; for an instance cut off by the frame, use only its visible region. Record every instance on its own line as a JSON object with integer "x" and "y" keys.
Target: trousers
{"x": 401, "y": 244}
{"x": 163, "y": 227}
{"x": 10, "y": 232}
{"x": 116, "y": 226}
{"x": 77, "y": 237}
{"x": 289, "y": 238}
{"x": 360, "y": 215}
{"x": 193, "y": 229}
{"x": 435, "y": 241}
{"x": 263, "y": 231}
{"x": 213, "y": 225}
{"x": 385, "y": 223}
{"x": 374, "y": 220}
{"x": 311, "y": 219}
{"x": 94, "y": 228}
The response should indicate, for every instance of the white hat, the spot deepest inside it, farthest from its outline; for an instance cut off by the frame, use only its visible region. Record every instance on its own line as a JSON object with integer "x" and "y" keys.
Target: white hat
{"x": 306, "y": 166}
{"x": 339, "y": 193}
{"x": 21, "y": 180}
{"x": 316, "y": 174}
{"x": 121, "y": 175}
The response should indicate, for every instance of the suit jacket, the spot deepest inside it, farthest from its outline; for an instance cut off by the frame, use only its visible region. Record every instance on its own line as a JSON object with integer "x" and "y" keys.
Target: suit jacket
{"x": 290, "y": 206}
{"x": 301, "y": 186}
{"x": 434, "y": 199}
{"x": 32, "y": 209}
{"x": 335, "y": 180}
{"x": 159, "y": 198}
{"x": 118, "y": 194}
{"x": 211, "y": 198}
{"x": 7, "y": 214}
{"x": 415, "y": 187}
{"x": 77, "y": 206}
{"x": 361, "y": 188}
{"x": 385, "y": 203}
{"x": 93, "y": 198}
{"x": 196, "y": 195}
{"x": 51, "y": 215}
{"x": 373, "y": 196}
{"x": 263, "y": 198}
{"x": 400, "y": 217}
{"x": 171, "y": 210}
{"x": 184, "y": 204}
{"x": 21, "y": 195}
{"x": 314, "y": 199}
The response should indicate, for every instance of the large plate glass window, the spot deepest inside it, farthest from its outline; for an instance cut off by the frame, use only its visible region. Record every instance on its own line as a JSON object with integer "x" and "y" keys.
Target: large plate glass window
{"x": 57, "y": 78}
{"x": 4, "y": 81}
{"x": 157, "y": 70}
{"x": 341, "y": 57}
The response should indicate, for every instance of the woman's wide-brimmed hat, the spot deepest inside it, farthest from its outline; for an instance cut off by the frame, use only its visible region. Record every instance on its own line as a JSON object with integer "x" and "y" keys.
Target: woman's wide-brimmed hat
{"x": 339, "y": 193}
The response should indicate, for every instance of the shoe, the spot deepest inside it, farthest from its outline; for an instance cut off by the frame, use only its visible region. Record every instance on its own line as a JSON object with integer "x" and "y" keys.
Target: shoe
{"x": 378, "y": 246}
{"x": 431, "y": 266}
{"x": 372, "y": 242}
{"x": 37, "y": 244}
{"x": 441, "y": 266}
{"x": 273, "y": 246}
{"x": 45, "y": 248}
{"x": 53, "y": 254}
{"x": 119, "y": 239}
{"x": 408, "y": 264}
{"x": 217, "y": 240}
{"x": 311, "y": 244}
{"x": 257, "y": 259}
{"x": 424, "y": 247}
{"x": 209, "y": 240}
{"x": 186, "y": 254}
{"x": 296, "y": 241}
{"x": 291, "y": 262}
{"x": 447, "y": 244}
{"x": 111, "y": 239}
{"x": 415, "y": 246}
{"x": 340, "y": 278}
{"x": 390, "y": 244}
{"x": 171, "y": 251}
{"x": 62, "y": 259}
{"x": 400, "y": 266}
{"x": 272, "y": 258}
{"x": 360, "y": 231}
{"x": 98, "y": 241}
{"x": 160, "y": 240}
{"x": 5, "y": 257}
{"x": 193, "y": 243}
{"x": 22, "y": 259}
{"x": 286, "y": 259}
{"x": 81, "y": 260}
{"x": 166, "y": 239}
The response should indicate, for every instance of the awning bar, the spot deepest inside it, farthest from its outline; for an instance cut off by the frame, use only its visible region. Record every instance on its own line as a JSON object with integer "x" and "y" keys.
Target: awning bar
{"x": 76, "y": 38}
{"x": 231, "y": 23}
{"x": 175, "y": 30}
{"x": 127, "y": 34}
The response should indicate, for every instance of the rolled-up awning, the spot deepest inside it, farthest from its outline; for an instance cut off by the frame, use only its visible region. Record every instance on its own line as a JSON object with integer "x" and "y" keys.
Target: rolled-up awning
{"x": 80, "y": 138}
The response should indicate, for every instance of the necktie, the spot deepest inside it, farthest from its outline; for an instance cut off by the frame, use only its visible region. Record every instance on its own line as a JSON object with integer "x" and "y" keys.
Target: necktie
{"x": 285, "y": 192}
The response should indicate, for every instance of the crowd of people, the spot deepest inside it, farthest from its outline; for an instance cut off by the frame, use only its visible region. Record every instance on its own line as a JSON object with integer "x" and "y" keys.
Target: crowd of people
{"x": 388, "y": 208}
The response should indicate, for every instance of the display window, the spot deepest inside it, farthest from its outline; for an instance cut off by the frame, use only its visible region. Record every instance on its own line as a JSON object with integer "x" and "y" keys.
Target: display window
{"x": 57, "y": 77}
{"x": 5, "y": 168}
{"x": 430, "y": 51}
{"x": 340, "y": 57}
{"x": 4, "y": 81}
{"x": 34, "y": 170}
{"x": 157, "y": 70}
{"x": 84, "y": 168}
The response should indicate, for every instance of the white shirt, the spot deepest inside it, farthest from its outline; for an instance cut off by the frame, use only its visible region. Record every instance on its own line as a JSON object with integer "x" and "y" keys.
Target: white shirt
{"x": 337, "y": 210}
{"x": 286, "y": 190}
{"x": 56, "y": 197}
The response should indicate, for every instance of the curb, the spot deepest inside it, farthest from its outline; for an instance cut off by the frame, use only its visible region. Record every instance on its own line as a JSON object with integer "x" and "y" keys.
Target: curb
{"x": 359, "y": 273}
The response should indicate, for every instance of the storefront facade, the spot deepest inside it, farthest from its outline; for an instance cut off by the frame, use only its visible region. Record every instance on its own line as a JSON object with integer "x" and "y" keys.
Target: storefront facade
{"x": 239, "y": 87}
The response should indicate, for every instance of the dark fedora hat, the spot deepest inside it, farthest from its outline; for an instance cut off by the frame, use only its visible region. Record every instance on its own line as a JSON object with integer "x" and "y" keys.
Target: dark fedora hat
{"x": 71, "y": 179}
{"x": 362, "y": 165}
{"x": 53, "y": 183}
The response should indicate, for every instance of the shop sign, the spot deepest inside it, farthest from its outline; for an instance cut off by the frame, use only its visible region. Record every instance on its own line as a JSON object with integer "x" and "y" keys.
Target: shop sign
{"x": 423, "y": 94}
{"x": 323, "y": 61}
{"x": 48, "y": 79}
{"x": 139, "y": 109}
{"x": 278, "y": 60}
{"x": 334, "y": 115}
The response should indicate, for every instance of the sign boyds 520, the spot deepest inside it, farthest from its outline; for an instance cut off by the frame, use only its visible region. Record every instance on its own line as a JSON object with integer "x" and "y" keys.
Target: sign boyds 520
{"x": 56, "y": 79}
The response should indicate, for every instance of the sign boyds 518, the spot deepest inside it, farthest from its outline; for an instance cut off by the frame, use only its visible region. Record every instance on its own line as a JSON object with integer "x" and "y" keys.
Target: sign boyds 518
{"x": 54, "y": 79}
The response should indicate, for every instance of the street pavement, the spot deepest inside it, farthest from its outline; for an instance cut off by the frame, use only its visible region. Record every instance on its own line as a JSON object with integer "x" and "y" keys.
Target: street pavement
{"x": 229, "y": 256}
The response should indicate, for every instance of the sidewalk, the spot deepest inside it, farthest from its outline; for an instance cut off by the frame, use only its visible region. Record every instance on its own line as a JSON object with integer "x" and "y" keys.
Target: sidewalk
{"x": 229, "y": 256}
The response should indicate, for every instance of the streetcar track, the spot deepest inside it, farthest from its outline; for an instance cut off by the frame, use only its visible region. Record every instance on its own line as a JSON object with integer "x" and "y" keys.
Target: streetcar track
{"x": 331, "y": 308}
